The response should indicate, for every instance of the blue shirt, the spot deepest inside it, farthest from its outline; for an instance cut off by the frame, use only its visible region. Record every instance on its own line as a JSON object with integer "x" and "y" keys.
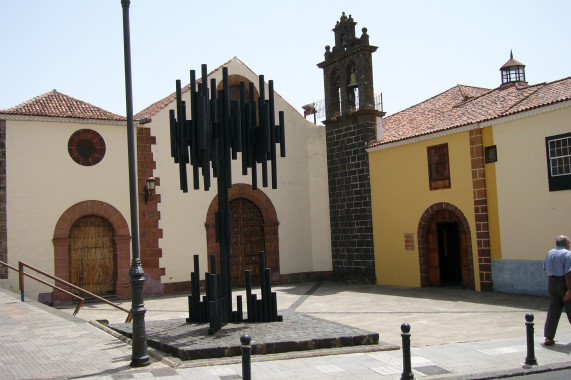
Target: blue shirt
{"x": 557, "y": 262}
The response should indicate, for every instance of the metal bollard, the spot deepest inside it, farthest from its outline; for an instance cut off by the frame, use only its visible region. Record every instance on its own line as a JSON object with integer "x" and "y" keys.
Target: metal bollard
{"x": 406, "y": 363}
{"x": 246, "y": 357}
{"x": 530, "y": 358}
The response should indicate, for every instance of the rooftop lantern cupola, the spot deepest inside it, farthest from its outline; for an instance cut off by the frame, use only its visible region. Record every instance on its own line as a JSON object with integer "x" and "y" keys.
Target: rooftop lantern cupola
{"x": 513, "y": 71}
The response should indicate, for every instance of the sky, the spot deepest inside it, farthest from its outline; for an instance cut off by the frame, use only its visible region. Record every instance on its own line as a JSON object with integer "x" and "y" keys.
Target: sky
{"x": 425, "y": 47}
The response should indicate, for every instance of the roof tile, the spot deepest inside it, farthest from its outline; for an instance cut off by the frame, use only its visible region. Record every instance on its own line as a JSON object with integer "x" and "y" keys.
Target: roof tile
{"x": 56, "y": 104}
{"x": 464, "y": 105}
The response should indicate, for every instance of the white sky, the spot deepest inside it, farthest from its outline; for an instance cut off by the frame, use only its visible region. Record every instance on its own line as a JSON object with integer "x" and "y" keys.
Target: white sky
{"x": 425, "y": 47}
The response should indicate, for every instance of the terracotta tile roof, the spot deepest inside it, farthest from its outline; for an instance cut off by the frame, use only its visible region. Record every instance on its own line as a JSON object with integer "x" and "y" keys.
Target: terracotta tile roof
{"x": 154, "y": 108}
{"x": 464, "y": 105}
{"x": 56, "y": 104}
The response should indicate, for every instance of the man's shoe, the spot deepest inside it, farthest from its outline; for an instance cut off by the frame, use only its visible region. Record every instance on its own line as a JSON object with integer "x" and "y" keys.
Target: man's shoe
{"x": 549, "y": 342}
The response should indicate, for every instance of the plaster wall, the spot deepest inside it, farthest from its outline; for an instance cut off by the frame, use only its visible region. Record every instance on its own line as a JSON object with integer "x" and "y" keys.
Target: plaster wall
{"x": 401, "y": 194}
{"x": 300, "y": 200}
{"x": 43, "y": 182}
{"x": 530, "y": 216}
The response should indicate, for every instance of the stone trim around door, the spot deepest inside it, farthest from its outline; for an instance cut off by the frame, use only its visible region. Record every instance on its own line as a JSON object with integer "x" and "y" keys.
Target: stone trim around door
{"x": 423, "y": 226}
{"x": 62, "y": 245}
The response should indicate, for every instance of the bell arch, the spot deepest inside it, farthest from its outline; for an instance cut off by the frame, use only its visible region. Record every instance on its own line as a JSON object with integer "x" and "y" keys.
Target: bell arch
{"x": 444, "y": 213}
{"x": 270, "y": 223}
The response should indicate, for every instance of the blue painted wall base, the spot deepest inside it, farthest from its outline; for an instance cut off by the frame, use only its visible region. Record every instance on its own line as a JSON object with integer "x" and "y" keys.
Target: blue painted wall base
{"x": 519, "y": 276}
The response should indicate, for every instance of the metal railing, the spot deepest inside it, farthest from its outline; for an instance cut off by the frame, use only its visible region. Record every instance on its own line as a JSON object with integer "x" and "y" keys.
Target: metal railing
{"x": 317, "y": 109}
{"x": 22, "y": 274}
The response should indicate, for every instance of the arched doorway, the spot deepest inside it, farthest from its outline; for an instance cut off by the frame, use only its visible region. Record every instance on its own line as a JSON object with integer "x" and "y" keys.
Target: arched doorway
{"x": 257, "y": 228}
{"x": 445, "y": 249}
{"x": 121, "y": 242}
{"x": 247, "y": 240}
{"x": 92, "y": 256}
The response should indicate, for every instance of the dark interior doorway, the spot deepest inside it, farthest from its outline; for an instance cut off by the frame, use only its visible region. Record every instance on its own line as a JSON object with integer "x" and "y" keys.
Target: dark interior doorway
{"x": 449, "y": 254}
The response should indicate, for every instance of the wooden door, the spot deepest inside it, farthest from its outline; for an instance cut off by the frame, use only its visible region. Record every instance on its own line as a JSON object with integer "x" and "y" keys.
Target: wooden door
{"x": 433, "y": 255}
{"x": 92, "y": 261}
{"x": 247, "y": 240}
{"x": 466, "y": 269}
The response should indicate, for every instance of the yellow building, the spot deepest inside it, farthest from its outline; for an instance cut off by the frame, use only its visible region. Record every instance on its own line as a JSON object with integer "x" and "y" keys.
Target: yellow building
{"x": 468, "y": 187}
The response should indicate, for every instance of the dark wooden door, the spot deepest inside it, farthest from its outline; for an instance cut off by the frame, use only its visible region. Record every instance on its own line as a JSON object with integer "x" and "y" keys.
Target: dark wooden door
{"x": 433, "y": 255}
{"x": 92, "y": 261}
{"x": 465, "y": 260}
{"x": 247, "y": 240}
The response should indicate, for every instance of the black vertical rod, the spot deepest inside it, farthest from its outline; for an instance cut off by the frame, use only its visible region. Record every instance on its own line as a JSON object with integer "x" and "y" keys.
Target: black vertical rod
{"x": 263, "y": 284}
{"x": 406, "y": 362}
{"x": 530, "y": 358}
{"x": 195, "y": 284}
{"x": 268, "y": 294}
{"x": 224, "y": 183}
{"x": 213, "y": 264}
{"x": 239, "y": 308}
{"x": 192, "y": 300}
{"x": 139, "y": 356}
{"x": 249, "y": 307}
{"x": 246, "y": 357}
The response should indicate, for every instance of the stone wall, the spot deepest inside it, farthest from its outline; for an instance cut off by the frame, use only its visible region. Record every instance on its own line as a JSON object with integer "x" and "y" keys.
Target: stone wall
{"x": 3, "y": 231}
{"x": 350, "y": 196}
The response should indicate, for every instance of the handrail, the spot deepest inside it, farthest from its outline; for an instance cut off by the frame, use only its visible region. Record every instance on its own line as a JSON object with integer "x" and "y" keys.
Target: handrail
{"x": 21, "y": 275}
{"x": 81, "y": 300}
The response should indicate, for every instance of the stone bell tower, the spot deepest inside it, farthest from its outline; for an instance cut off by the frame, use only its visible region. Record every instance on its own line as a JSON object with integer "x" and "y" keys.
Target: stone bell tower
{"x": 351, "y": 124}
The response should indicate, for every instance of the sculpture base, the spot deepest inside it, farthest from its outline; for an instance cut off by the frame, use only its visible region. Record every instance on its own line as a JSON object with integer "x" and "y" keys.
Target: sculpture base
{"x": 297, "y": 332}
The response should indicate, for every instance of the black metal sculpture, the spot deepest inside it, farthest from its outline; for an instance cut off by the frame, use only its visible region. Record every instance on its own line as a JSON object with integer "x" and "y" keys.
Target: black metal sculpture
{"x": 218, "y": 129}
{"x": 212, "y": 304}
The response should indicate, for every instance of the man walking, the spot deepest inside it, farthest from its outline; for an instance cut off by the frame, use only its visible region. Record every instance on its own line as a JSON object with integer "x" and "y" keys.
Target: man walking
{"x": 557, "y": 265}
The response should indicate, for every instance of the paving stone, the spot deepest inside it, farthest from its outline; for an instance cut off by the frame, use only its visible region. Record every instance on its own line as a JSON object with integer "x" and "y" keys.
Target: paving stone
{"x": 297, "y": 332}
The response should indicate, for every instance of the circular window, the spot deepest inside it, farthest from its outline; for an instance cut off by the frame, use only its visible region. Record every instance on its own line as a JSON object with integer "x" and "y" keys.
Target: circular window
{"x": 86, "y": 147}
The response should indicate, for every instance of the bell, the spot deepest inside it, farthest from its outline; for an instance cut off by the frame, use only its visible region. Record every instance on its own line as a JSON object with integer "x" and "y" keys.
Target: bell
{"x": 353, "y": 81}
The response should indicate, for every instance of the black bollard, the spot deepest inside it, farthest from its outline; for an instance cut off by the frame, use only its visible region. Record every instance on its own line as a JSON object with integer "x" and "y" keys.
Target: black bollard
{"x": 530, "y": 358}
{"x": 246, "y": 353}
{"x": 406, "y": 364}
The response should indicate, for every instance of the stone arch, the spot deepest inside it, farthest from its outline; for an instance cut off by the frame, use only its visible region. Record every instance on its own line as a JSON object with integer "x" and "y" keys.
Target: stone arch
{"x": 449, "y": 212}
{"x": 264, "y": 203}
{"x": 121, "y": 237}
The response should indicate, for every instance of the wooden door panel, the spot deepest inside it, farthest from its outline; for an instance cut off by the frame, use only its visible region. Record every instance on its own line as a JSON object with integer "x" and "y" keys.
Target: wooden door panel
{"x": 247, "y": 240}
{"x": 466, "y": 281}
{"x": 92, "y": 264}
{"x": 433, "y": 259}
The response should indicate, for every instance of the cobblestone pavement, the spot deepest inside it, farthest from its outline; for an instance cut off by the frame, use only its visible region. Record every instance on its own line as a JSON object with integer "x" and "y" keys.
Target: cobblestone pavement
{"x": 297, "y": 332}
{"x": 455, "y": 334}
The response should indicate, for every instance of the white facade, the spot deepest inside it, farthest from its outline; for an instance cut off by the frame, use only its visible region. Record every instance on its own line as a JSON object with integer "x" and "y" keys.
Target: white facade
{"x": 300, "y": 201}
{"x": 43, "y": 182}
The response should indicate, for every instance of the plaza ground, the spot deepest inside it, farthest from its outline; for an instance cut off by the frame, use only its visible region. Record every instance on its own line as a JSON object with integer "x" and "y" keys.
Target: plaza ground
{"x": 456, "y": 333}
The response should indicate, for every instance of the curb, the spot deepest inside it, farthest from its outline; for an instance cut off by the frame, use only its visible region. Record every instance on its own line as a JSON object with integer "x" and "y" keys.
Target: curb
{"x": 177, "y": 363}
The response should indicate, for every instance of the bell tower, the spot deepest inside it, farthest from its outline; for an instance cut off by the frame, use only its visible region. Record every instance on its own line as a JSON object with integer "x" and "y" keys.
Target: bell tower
{"x": 350, "y": 125}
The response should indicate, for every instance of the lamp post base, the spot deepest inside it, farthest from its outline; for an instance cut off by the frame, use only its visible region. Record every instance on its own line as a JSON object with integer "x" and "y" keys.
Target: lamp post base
{"x": 139, "y": 357}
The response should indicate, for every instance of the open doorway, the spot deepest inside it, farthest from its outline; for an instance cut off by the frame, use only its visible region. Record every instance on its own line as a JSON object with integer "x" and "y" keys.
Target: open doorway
{"x": 449, "y": 254}
{"x": 444, "y": 248}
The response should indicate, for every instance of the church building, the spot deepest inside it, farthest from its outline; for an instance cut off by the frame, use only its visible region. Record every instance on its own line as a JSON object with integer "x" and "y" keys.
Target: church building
{"x": 65, "y": 199}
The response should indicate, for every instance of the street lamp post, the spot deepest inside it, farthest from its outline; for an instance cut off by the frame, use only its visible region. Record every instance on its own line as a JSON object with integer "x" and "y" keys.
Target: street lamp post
{"x": 139, "y": 356}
